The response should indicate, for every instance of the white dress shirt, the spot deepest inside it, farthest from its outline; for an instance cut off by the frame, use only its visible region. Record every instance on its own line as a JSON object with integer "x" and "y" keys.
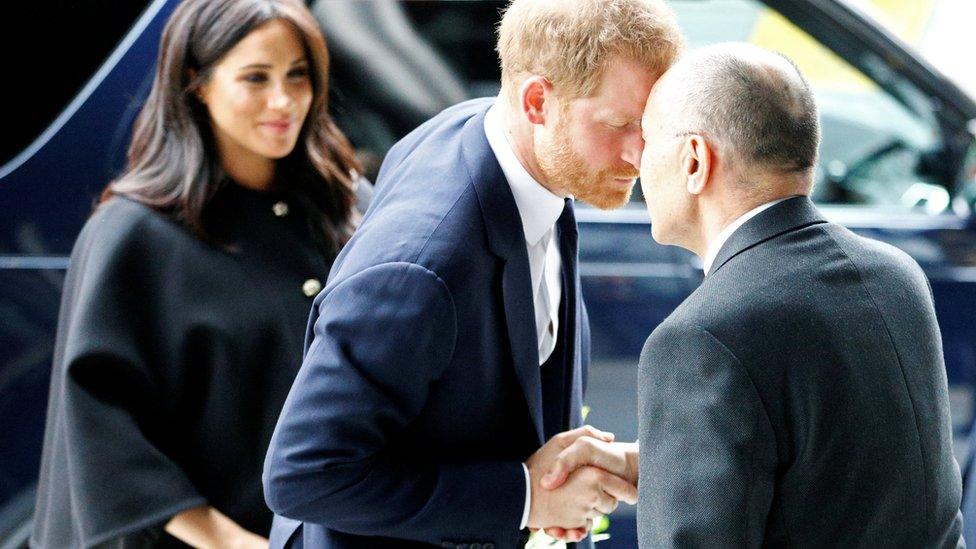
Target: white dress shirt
{"x": 539, "y": 210}
{"x": 724, "y": 235}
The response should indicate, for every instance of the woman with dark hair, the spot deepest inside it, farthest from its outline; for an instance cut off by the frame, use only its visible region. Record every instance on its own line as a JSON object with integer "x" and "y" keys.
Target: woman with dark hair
{"x": 184, "y": 308}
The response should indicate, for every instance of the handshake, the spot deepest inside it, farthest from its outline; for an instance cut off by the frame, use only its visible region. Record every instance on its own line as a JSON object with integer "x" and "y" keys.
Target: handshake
{"x": 578, "y": 476}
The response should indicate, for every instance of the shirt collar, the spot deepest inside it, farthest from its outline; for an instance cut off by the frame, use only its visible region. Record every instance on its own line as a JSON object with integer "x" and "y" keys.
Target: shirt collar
{"x": 723, "y": 236}
{"x": 538, "y": 207}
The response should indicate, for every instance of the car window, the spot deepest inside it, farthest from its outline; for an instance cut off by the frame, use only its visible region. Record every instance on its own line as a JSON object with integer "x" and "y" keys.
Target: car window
{"x": 880, "y": 134}
{"x": 55, "y": 50}
{"x": 464, "y": 34}
{"x": 965, "y": 202}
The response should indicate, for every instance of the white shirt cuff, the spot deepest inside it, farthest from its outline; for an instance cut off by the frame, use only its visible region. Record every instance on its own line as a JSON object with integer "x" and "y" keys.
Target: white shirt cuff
{"x": 528, "y": 498}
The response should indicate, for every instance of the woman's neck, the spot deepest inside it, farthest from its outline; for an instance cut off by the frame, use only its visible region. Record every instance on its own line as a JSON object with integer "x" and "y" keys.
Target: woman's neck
{"x": 246, "y": 168}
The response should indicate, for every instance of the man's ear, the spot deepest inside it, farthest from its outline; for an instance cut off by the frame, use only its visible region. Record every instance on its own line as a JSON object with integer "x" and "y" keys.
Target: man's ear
{"x": 696, "y": 163}
{"x": 534, "y": 97}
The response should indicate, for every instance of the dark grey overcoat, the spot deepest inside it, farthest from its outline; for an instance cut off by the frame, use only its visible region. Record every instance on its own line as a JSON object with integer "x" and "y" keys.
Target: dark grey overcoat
{"x": 798, "y": 398}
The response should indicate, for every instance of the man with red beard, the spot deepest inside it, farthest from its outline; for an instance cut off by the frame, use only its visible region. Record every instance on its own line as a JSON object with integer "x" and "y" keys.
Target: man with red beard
{"x": 451, "y": 341}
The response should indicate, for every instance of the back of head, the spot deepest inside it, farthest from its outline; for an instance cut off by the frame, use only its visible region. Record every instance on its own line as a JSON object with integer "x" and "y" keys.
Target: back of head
{"x": 755, "y": 106}
{"x": 569, "y": 42}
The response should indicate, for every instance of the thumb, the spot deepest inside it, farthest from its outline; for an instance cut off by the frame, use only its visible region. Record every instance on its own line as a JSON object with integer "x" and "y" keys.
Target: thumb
{"x": 569, "y": 460}
{"x": 554, "y": 478}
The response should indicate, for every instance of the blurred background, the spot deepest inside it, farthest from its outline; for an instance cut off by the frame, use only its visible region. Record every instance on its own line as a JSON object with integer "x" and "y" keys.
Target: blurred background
{"x": 894, "y": 80}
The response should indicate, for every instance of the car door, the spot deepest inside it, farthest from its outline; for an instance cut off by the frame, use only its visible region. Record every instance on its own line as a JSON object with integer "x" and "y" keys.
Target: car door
{"x": 63, "y": 142}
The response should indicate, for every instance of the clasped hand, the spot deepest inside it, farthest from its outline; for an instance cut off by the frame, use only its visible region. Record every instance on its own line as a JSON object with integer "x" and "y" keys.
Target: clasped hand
{"x": 577, "y": 476}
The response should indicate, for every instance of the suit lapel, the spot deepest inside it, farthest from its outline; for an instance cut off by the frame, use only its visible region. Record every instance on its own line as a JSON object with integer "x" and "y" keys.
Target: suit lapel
{"x": 520, "y": 320}
{"x": 789, "y": 215}
{"x": 507, "y": 240}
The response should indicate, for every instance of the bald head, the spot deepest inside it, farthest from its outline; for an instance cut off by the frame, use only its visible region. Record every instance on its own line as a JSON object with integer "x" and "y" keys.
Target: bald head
{"x": 753, "y": 104}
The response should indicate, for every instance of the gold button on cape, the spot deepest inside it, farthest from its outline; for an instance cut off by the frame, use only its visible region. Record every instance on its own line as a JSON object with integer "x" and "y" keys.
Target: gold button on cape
{"x": 312, "y": 287}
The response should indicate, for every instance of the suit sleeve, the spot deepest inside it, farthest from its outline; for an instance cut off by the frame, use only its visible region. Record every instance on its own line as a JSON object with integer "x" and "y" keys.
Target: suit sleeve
{"x": 707, "y": 448}
{"x": 341, "y": 453}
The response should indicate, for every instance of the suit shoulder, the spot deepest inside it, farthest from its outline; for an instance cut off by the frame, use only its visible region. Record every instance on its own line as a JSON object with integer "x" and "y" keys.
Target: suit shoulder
{"x": 430, "y": 138}
{"x": 874, "y": 250}
{"x": 684, "y": 323}
{"x": 680, "y": 339}
{"x": 425, "y": 231}
{"x": 426, "y": 209}
{"x": 712, "y": 303}
{"x": 876, "y": 260}
{"x": 733, "y": 310}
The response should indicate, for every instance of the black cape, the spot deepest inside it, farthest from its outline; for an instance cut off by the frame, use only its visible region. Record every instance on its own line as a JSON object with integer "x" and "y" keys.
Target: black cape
{"x": 172, "y": 362}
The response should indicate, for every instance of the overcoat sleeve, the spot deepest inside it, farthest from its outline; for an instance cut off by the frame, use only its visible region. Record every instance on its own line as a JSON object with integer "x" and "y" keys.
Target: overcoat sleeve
{"x": 381, "y": 340}
{"x": 103, "y": 473}
{"x": 707, "y": 448}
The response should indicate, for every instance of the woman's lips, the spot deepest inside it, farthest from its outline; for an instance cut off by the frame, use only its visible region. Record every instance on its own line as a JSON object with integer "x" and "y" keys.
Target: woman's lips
{"x": 276, "y": 127}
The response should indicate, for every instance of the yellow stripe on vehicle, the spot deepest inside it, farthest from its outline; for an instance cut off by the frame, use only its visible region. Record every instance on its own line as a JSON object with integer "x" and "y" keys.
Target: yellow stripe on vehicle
{"x": 823, "y": 68}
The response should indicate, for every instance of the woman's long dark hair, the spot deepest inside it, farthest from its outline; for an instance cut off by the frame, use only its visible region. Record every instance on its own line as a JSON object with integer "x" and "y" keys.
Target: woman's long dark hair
{"x": 173, "y": 165}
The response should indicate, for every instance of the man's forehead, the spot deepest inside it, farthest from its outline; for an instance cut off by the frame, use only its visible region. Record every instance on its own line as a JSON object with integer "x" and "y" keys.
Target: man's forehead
{"x": 627, "y": 104}
{"x": 624, "y": 80}
{"x": 607, "y": 109}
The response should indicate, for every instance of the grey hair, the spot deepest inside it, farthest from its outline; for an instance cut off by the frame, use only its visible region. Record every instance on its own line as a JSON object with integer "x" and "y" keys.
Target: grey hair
{"x": 755, "y": 103}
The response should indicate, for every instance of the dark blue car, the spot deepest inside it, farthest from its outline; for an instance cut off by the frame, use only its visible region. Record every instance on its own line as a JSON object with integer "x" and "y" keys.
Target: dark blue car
{"x": 898, "y": 163}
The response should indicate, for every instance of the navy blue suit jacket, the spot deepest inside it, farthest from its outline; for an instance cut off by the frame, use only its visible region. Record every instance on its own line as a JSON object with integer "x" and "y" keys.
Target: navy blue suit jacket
{"x": 420, "y": 392}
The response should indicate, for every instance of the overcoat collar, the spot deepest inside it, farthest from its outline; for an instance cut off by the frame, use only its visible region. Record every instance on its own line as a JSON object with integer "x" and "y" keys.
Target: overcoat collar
{"x": 789, "y": 215}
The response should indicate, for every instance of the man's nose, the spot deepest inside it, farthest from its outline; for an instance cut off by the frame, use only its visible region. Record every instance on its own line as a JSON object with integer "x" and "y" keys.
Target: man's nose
{"x": 632, "y": 150}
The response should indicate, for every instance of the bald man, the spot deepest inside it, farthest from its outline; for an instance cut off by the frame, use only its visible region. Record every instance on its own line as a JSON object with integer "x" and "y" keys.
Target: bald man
{"x": 798, "y": 397}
